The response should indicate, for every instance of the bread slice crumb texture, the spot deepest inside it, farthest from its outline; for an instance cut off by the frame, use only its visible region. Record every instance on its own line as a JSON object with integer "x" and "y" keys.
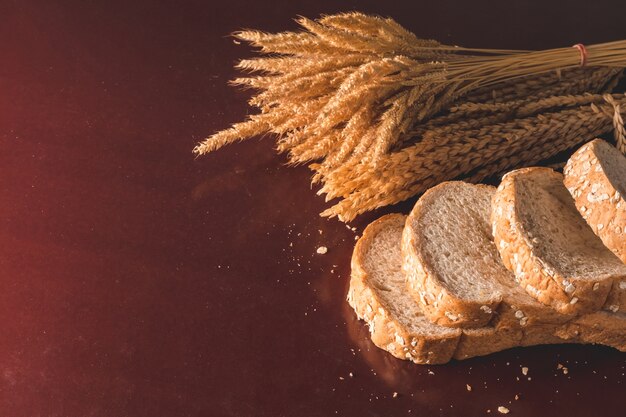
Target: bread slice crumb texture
{"x": 452, "y": 265}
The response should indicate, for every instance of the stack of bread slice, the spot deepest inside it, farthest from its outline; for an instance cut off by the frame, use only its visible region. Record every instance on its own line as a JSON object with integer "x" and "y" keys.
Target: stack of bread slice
{"x": 474, "y": 269}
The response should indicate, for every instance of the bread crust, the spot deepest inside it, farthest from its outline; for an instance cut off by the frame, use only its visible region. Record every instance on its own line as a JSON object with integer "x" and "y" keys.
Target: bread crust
{"x": 527, "y": 314}
{"x": 601, "y": 205}
{"x": 486, "y": 340}
{"x": 538, "y": 278}
{"x": 600, "y": 327}
{"x": 437, "y": 300}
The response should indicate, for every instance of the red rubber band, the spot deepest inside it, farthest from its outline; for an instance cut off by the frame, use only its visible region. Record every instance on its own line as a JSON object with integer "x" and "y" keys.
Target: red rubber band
{"x": 583, "y": 53}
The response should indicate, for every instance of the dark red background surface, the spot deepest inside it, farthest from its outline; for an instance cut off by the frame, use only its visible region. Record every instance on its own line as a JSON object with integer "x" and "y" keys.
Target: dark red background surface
{"x": 136, "y": 280}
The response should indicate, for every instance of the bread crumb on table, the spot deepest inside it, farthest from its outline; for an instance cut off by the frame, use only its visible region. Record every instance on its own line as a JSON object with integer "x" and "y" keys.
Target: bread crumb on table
{"x": 322, "y": 250}
{"x": 524, "y": 370}
{"x": 395, "y": 395}
{"x": 503, "y": 410}
{"x": 468, "y": 386}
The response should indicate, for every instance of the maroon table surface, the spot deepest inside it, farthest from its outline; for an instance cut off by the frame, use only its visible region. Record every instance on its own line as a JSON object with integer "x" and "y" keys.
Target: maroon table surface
{"x": 137, "y": 280}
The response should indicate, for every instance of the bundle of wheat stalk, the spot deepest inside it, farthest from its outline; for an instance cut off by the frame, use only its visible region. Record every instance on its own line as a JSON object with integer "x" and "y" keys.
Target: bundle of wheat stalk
{"x": 474, "y": 151}
{"x": 384, "y": 114}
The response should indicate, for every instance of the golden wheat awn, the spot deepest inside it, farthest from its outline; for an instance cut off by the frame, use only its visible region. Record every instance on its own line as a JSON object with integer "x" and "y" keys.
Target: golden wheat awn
{"x": 371, "y": 105}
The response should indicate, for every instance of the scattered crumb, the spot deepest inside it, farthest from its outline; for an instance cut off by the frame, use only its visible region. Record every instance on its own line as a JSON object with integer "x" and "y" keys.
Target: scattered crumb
{"x": 524, "y": 370}
{"x": 356, "y": 237}
{"x": 516, "y": 397}
{"x": 395, "y": 395}
{"x": 565, "y": 370}
{"x": 322, "y": 250}
{"x": 351, "y": 375}
{"x": 430, "y": 372}
{"x": 341, "y": 378}
{"x": 468, "y": 386}
{"x": 353, "y": 229}
{"x": 320, "y": 230}
{"x": 503, "y": 410}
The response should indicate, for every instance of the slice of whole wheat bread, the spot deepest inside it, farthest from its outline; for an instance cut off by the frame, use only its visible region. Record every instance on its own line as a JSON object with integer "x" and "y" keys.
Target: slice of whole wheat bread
{"x": 595, "y": 176}
{"x": 378, "y": 295}
{"x": 442, "y": 237}
{"x": 551, "y": 250}
{"x": 453, "y": 267}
